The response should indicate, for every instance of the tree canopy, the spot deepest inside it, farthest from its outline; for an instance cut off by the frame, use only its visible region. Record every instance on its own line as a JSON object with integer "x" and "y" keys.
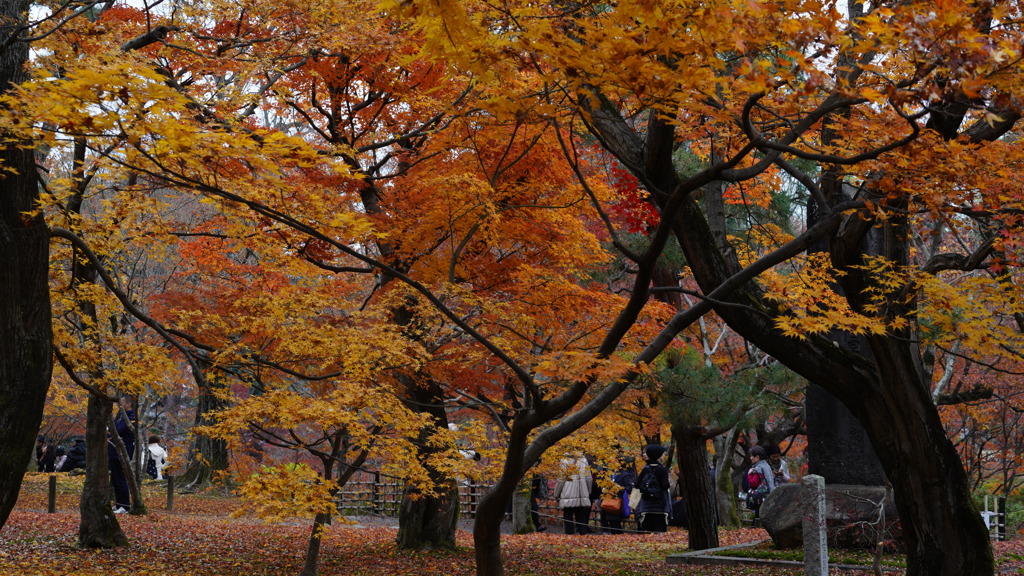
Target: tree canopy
{"x": 366, "y": 219}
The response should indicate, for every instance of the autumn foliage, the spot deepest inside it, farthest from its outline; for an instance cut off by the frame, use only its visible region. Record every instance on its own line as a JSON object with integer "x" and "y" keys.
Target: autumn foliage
{"x": 338, "y": 217}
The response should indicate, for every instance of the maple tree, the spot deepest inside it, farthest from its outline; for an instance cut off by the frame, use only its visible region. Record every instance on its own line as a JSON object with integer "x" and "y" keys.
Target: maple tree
{"x": 900, "y": 109}
{"x": 531, "y": 232}
{"x": 506, "y": 284}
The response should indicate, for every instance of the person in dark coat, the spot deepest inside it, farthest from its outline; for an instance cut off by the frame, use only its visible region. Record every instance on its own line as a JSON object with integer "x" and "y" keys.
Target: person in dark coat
{"x": 76, "y": 455}
{"x": 655, "y": 506}
{"x": 539, "y": 490}
{"x": 624, "y": 479}
{"x": 124, "y": 424}
{"x": 46, "y": 455}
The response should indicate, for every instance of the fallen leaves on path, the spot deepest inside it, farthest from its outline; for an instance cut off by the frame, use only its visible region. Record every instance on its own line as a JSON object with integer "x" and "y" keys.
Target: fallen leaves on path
{"x": 200, "y": 539}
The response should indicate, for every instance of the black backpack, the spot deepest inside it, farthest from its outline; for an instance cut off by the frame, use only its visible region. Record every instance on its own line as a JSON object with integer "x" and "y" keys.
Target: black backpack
{"x": 650, "y": 488}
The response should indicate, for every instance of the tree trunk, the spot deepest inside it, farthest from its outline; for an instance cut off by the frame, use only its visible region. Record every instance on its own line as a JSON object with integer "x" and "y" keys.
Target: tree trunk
{"x": 98, "y": 526}
{"x": 206, "y": 455}
{"x": 424, "y": 521}
{"x": 698, "y": 487}
{"x": 428, "y": 522}
{"x": 491, "y": 510}
{"x": 943, "y": 530}
{"x": 725, "y": 486}
{"x": 26, "y": 337}
{"x": 311, "y": 565}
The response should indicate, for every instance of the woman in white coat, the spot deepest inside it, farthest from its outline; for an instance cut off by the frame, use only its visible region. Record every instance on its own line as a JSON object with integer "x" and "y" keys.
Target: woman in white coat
{"x": 574, "y": 495}
{"x": 157, "y": 458}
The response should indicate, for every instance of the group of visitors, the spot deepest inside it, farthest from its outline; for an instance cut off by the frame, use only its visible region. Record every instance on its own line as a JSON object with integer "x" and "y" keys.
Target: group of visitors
{"x": 51, "y": 458}
{"x": 645, "y": 496}
{"x": 54, "y": 458}
{"x": 767, "y": 471}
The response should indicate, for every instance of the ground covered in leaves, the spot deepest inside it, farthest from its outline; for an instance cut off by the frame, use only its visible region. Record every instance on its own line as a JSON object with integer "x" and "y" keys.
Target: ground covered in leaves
{"x": 198, "y": 538}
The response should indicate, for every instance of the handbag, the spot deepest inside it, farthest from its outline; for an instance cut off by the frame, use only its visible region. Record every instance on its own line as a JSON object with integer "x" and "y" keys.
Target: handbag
{"x": 634, "y": 498}
{"x": 612, "y": 505}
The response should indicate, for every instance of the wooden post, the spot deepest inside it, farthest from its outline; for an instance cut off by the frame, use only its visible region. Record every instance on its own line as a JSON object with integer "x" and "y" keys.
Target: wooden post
{"x": 170, "y": 493}
{"x": 51, "y": 501}
{"x": 375, "y": 493}
{"x": 815, "y": 537}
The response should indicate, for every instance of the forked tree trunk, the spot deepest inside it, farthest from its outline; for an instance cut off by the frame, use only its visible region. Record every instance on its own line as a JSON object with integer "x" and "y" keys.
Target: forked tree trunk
{"x": 98, "y": 526}
{"x": 311, "y": 565}
{"x": 491, "y": 509}
{"x": 698, "y": 487}
{"x": 339, "y": 451}
{"x": 25, "y": 319}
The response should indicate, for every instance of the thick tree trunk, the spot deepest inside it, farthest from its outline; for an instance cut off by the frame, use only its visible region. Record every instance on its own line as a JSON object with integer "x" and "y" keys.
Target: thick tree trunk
{"x": 943, "y": 530}
{"x": 98, "y": 526}
{"x": 428, "y": 522}
{"x": 25, "y": 319}
{"x": 424, "y": 521}
{"x": 206, "y": 455}
{"x": 698, "y": 487}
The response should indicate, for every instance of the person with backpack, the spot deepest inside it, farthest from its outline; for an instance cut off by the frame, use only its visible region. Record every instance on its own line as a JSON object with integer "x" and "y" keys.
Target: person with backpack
{"x": 655, "y": 505}
{"x": 760, "y": 480}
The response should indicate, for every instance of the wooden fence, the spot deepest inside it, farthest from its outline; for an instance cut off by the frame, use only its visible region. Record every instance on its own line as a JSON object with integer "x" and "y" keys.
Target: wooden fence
{"x": 375, "y": 494}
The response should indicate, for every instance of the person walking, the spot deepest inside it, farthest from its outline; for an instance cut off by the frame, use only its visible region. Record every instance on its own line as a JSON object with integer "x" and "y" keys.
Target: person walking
{"x": 573, "y": 495}
{"x": 655, "y": 505}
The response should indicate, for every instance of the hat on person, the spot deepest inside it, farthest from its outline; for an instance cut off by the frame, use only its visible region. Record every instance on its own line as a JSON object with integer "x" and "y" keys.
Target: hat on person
{"x": 654, "y": 451}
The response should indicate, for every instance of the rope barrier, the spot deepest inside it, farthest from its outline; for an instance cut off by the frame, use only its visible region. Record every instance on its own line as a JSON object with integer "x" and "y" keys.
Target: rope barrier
{"x": 595, "y": 517}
